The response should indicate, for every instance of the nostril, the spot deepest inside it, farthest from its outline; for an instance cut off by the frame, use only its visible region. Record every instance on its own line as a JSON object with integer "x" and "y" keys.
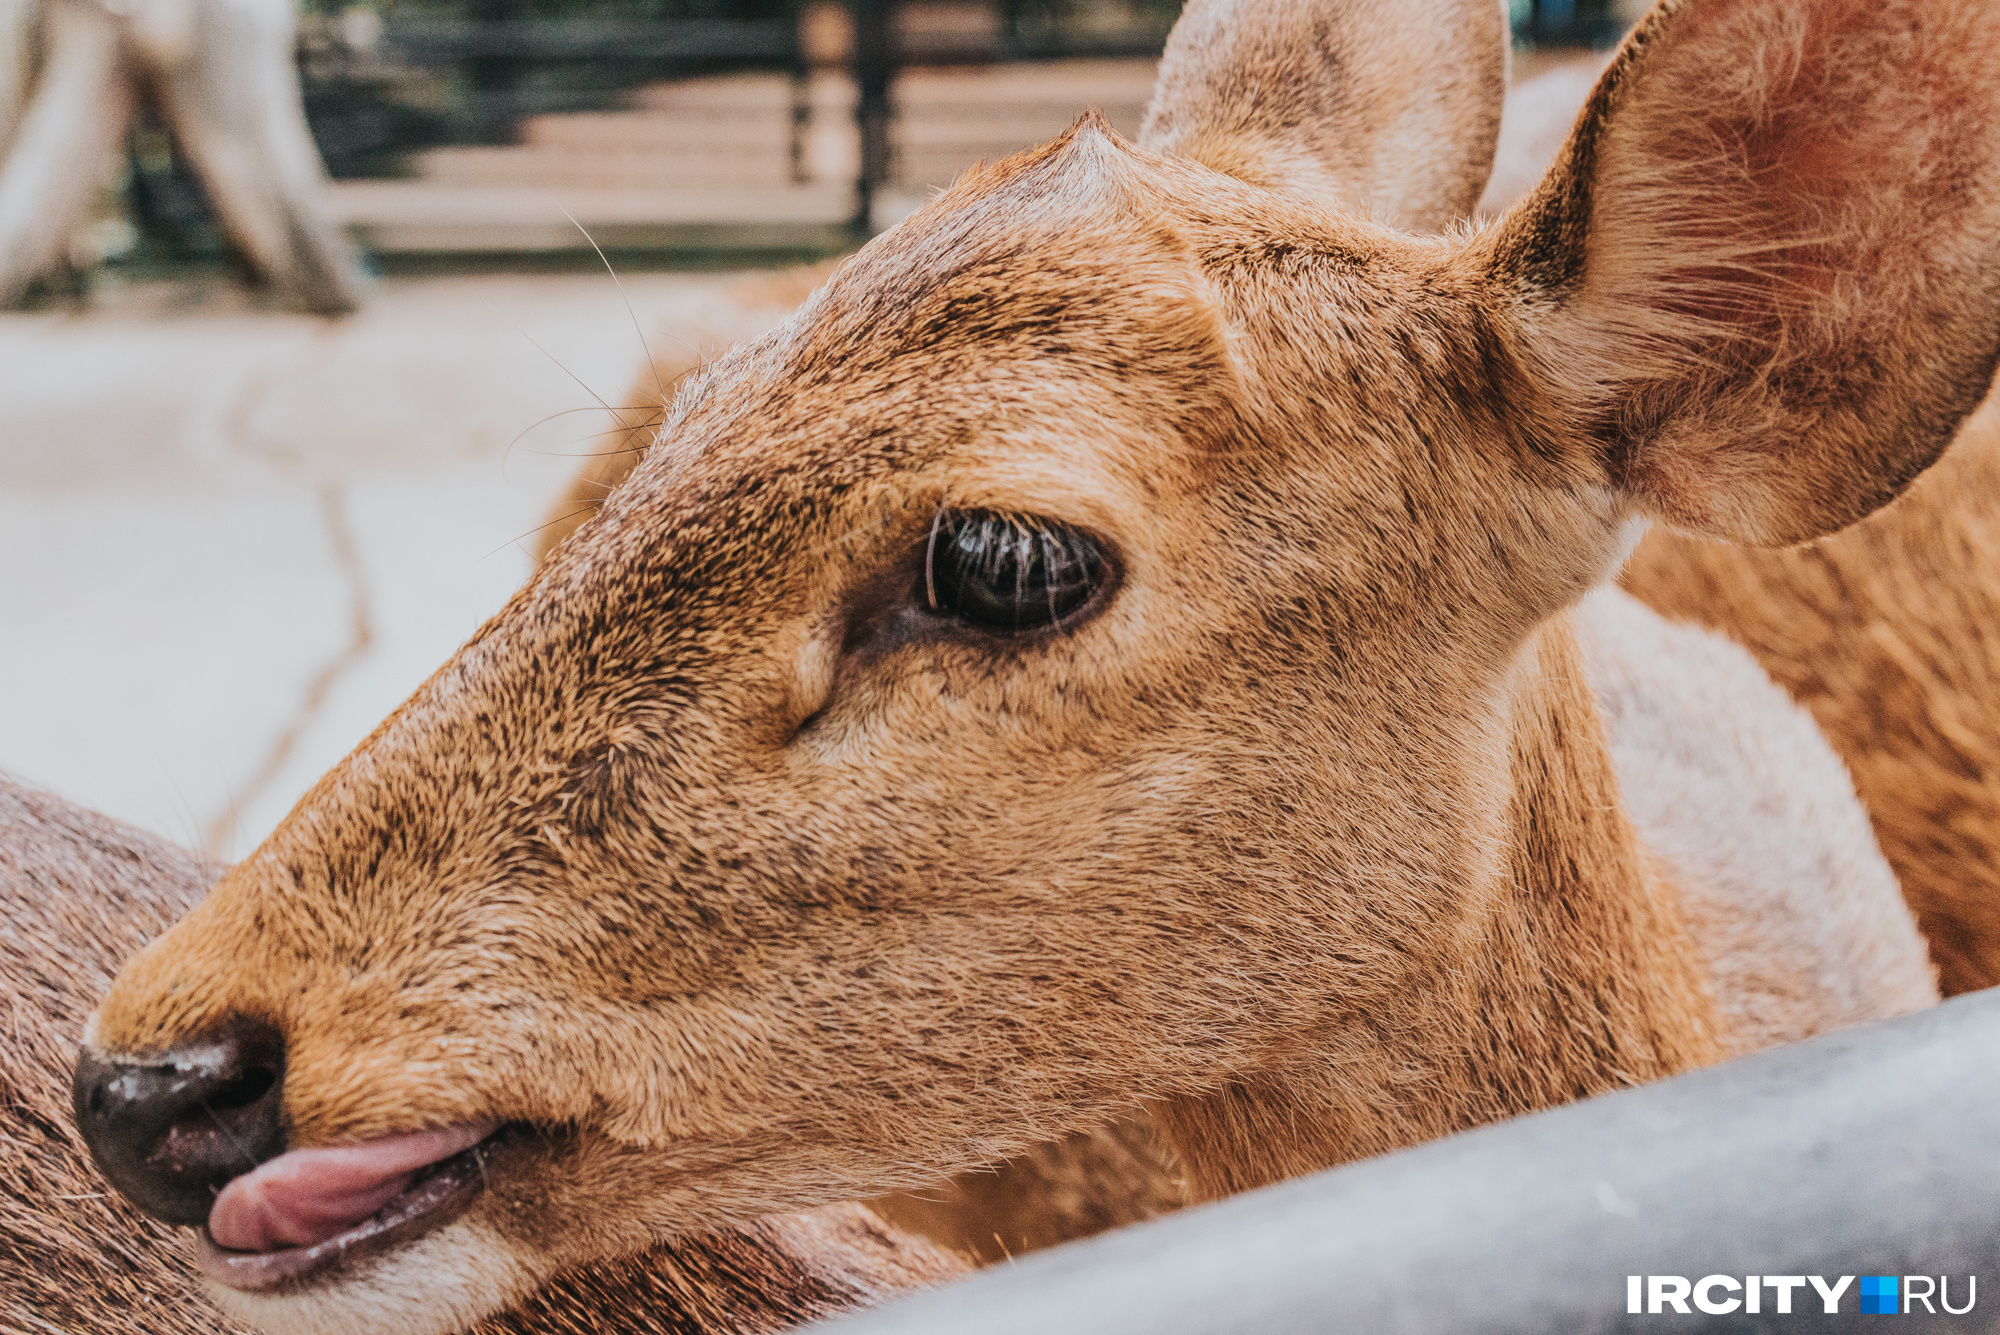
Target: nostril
{"x": 243, "y": 1091}
{"x": 171, "y": 1131}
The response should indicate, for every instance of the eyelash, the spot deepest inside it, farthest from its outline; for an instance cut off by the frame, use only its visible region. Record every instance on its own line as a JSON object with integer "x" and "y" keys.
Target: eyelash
{"x": 1008, "y": 573}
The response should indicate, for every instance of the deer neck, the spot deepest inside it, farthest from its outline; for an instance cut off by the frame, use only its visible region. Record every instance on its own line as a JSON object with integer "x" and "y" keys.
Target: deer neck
{"x": 1576, "y": 977}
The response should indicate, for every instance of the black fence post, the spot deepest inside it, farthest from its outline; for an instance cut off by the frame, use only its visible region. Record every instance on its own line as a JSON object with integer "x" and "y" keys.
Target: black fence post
{"x": 1572, "y": 22}
{"x": 874, "y": 71}
{"x": 799, "y": 75}
{"x": 494, "y": 79}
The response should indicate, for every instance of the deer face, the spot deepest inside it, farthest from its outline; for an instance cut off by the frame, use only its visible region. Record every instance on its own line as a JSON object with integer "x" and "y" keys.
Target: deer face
{"x": 1061, "y": 667}
{"x": 748, "y": 845}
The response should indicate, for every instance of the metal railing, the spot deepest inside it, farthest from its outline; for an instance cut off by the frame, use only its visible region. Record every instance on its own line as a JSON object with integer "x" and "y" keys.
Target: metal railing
{"x": 442, "y": 76}
{"x": 386, "y": 83}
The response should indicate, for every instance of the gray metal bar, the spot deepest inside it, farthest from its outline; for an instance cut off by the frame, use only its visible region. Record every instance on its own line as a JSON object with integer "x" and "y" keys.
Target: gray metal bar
{"x": 1870, "y": 1152}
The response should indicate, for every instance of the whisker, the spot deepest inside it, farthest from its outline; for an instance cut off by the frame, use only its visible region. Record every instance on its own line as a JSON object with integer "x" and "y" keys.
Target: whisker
{"x": 626, "y": 432}
{"x": 559, "y": 519}
{"x": 651, "y": 365}
{"x": 615, "y": 413}
{"x": 930, "y": 561}
{"x": 567, "y": 412}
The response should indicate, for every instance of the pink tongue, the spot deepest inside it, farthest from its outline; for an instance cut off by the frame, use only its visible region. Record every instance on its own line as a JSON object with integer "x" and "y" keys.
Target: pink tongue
{"x": 308, "y": 1196}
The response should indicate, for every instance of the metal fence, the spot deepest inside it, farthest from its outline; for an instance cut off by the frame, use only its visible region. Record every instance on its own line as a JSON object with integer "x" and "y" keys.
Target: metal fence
{"x": 386, "y": 81}
{"x": 432, "y": 72}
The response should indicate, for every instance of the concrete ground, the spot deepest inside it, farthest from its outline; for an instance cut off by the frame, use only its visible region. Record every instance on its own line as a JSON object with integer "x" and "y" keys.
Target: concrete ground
{"x": 232, "y": 541}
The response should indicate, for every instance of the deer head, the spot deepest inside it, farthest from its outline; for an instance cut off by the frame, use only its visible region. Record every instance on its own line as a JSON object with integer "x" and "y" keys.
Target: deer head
{"x": 80, "y": 892}
{"x": 1108, "y": 648}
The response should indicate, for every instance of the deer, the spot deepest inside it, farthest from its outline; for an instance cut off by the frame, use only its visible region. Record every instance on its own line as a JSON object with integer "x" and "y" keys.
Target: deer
{"x": 223, "y": 77}
{"x": 1139, "y": 644}
{"x": 1880, "y": 629}
{"x": 79, "y": 892}
{"x": 1918, "y": 806}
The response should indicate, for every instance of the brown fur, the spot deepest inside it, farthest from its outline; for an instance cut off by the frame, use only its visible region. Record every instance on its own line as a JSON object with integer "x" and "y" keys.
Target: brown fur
{"x": 78, "y": 893}
{"x": 1082, "y": 1185}
{"x": 1590, "y": 981}
{"x": 1887, "y": 633}
{"x": 1072, "y": 1188}
{"x": 756, "y": 886}
{"x": 1386, "y": 108}
{"x": 741, "y": 309}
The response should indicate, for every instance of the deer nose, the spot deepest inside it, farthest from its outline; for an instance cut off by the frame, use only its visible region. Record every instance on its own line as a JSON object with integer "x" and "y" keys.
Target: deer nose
{"x": 171, "y": 1131}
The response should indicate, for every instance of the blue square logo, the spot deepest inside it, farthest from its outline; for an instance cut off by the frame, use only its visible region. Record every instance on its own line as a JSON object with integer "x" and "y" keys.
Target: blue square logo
{"x": 1879, "y": 1294}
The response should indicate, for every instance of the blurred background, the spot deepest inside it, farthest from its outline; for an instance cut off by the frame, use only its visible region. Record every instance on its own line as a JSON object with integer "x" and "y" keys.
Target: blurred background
{"x": 234, "y": 536}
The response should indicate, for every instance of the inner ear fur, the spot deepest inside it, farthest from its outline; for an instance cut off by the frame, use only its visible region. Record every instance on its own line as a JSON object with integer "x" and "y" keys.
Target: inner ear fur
{"x": 1762, "y": 273}
{"x": 1390, "y": 108}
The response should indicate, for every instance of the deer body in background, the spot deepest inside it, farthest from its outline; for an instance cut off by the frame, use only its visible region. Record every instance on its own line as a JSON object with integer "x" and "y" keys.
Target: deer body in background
{"x": 1135, "y": 640}
{"x": 78, "y": 893}
{"x": 1883, "y": 630}
{"x": 1886, "y": 631}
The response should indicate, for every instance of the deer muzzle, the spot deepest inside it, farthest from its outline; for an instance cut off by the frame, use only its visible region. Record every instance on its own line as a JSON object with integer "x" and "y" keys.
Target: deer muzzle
{"x": 195, "y": 1136}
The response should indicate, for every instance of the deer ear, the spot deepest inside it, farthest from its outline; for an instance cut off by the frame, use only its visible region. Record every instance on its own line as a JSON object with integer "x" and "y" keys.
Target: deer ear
{"x": 1387, "y": 107}
{"x": 1764, "y": 272}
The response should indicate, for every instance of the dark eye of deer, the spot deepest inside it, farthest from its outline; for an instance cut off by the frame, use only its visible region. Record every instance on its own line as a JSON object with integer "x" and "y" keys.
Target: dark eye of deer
{"x": 1004, "y": 573}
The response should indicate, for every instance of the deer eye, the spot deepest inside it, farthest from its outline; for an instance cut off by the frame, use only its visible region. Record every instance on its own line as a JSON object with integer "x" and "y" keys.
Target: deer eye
{"x": 1006, "y": 573}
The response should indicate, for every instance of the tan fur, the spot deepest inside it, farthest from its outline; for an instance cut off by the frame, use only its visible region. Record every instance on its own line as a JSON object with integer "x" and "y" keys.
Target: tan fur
{"x": 1072, "y": 1188}
{"x": 1061, "y": 1191}
{"x": 1733, "y": 788}
{"x": 1388, "y": 108}
{"x": 757, "y": 886}
{"x": 78, "y": 893}
{"x": 1586, "y": 979}
{"x": 1890, "y": 634}
{"x": 741, "y": 309}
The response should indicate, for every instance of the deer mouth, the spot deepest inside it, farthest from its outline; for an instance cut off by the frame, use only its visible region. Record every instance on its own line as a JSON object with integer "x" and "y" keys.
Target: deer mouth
{"x": 306, "y": 1215}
